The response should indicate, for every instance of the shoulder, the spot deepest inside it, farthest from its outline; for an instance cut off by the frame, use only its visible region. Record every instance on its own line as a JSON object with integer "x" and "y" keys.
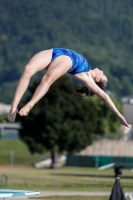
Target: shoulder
{"x": 84, "y": 76}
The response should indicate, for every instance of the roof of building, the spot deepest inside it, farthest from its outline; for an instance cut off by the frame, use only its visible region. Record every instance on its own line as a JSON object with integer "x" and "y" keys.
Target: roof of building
{"x": 8, "y": 125}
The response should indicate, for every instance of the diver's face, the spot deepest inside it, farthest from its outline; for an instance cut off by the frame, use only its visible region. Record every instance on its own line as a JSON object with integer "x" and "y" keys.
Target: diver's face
{"x": 100, "y": 74}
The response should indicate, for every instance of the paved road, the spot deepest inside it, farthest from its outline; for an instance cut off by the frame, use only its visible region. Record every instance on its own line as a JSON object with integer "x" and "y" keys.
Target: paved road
{"x": 74, "y": 193}
{"x": 62, "y": 193}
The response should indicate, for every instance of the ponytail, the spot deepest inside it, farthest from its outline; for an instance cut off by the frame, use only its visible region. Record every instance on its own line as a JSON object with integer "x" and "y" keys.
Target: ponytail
{"x": 85, "y": 91}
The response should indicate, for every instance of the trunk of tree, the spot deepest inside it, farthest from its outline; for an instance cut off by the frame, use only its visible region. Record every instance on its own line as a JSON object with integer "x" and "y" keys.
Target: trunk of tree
{"x": 53, "y": 159}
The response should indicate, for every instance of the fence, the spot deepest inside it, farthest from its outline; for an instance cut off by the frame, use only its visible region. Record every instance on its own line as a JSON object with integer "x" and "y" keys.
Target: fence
{"x": 104, "y": 151}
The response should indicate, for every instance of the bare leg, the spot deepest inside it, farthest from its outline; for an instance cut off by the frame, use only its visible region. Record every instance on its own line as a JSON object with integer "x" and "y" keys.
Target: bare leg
{"x": 37, "y": 63}
{"x": 55, "y": 70}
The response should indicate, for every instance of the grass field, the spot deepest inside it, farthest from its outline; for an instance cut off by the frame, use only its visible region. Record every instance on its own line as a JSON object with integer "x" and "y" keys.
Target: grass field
{"x": 22, "y": 155}
{"x": 65, "y": 179}
{"x": 60, "y": 179}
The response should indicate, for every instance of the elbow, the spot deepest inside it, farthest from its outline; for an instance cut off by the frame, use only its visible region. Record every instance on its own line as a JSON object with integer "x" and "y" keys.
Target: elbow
{"x": 105, "y": 97}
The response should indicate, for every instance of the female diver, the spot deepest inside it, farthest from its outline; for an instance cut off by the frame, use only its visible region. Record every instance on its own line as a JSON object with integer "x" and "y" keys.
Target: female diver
{"x": 57, "y": 62}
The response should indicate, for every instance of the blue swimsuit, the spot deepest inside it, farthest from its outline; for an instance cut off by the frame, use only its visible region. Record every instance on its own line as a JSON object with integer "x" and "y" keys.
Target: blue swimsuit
{"x": 79, "y": 63}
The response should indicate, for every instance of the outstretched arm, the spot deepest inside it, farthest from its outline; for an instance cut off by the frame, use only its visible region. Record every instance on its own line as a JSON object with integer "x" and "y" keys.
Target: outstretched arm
{"x": 112, "y": 107}
{"x": 87, "y": 79}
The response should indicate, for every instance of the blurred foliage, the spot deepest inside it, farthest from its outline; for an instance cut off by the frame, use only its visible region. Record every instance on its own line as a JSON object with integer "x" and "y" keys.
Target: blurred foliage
{"x": 100, "y": 30}
{"x": 3, "y": 119}
{"x": 60, "y": 121}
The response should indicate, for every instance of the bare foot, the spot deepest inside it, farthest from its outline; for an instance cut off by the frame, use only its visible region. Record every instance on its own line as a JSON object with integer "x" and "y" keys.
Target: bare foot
{"x": 12, "y": 115}
{"x": 25, "y": 110}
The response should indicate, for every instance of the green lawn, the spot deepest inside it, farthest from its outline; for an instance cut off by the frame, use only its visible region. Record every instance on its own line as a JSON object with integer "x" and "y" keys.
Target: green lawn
{"x": 60, "y": 179}
{"x": 65, "y": 179}
{"x": 21, "y": 153}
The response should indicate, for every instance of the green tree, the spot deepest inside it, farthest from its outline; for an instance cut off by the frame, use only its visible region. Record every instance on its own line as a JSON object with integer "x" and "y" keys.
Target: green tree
{"x": 61, "y": 121}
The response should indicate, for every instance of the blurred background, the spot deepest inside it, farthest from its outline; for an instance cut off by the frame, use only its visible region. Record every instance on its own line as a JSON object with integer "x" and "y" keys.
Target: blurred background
{"x": 66, "y": 130}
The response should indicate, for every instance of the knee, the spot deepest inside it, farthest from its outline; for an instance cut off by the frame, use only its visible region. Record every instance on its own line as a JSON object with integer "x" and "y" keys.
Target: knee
{"x": 28, "y": 71}
{"x": 48, "y": 78}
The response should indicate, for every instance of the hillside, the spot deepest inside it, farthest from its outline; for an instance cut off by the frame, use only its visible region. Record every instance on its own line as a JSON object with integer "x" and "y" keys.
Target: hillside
{"x": 100, "y": 30}
{"x": 18, "y": 151}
